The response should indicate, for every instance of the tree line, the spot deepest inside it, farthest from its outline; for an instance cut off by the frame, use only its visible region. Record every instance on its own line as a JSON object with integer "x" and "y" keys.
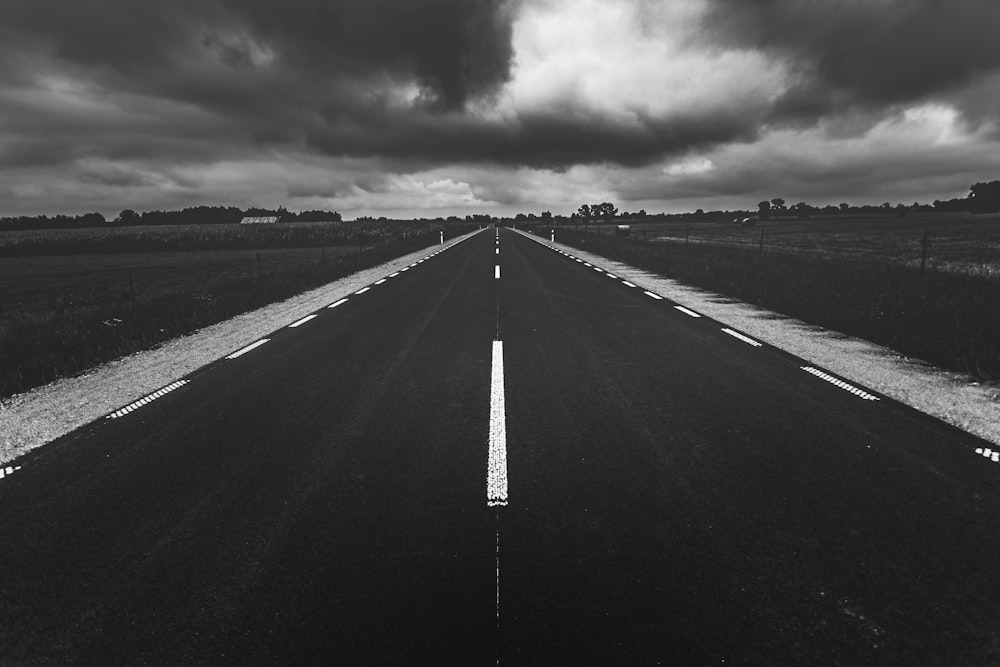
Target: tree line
{"x": 193, "y": 215}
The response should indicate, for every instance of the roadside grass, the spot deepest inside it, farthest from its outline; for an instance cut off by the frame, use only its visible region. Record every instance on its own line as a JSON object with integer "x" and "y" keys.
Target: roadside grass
{"x": 61, "y": 315}
{"x": 947, "y": 317}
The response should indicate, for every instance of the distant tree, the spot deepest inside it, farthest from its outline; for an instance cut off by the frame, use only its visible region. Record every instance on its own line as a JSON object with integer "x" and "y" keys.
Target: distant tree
{"x": 802, "y": 210}
{"x": 778, "y": 205}
{"x": 127, "y": 217}
{"x": 92, "y": 219}
{"x": 547, "y": 216}
{"x": 584, "y": 212}
{"x": 845, "y": 207}
{"x": 764, "y": 210}
{"x": 606, "y": 211}
{"x": 985, "y": 197}
{"x": 901, "y": 210}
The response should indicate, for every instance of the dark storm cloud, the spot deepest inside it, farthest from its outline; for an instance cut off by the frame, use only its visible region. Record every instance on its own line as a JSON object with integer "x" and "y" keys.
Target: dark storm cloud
{"x": 867, "y": 53}
{"x": 232, "y": 77}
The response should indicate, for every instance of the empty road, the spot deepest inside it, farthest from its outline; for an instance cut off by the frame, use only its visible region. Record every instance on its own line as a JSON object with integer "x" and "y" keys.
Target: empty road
{"x": 504, "y": 454}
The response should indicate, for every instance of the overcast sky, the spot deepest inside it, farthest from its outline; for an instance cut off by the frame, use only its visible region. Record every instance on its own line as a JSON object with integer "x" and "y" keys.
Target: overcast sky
{"x": 431, "y": 107}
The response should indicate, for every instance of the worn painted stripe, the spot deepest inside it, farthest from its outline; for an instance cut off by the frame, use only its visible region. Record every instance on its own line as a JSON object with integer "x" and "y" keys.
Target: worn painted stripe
{"x": 145, "y": 400}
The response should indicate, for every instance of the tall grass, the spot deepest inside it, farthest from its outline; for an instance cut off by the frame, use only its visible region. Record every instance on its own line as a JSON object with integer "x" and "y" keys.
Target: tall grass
{"x": 949, "y": 319}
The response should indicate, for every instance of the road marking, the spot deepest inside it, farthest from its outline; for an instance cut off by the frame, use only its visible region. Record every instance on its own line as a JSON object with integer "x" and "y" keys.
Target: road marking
{"x": 743, "y": 338}
{"x": 498, "y": 251}
{"x": 301, "y": 322}
{"x": 587, "y": 264}
{"x": 627, "y": 283}
{"x": 655, "y": 296}
{"x": 238, "y": 353}
{"x": 989, "y": 454}
{"x": 10, "y": 470}
{"x": 379, "y": 282}
{"x": 337, "y": 303}
{"x": 839, "y": 383}
{"x": 393, "y": 275}
{"x": 496, "y": 465}
{"x": 135, "y": 405}
{"x": 687, "y": 312}
{"x": 405, "y": 268}
{"x": 363, "y": 290}
{"x": 611, "y": 275}
{"x": 598, "y": 270}
{"x": 496, "y": 272}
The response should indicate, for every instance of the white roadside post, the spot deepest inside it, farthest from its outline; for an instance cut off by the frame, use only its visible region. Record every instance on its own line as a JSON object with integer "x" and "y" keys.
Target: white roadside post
{"x": 442, "y": 236}
{"x": 553, "y": 232}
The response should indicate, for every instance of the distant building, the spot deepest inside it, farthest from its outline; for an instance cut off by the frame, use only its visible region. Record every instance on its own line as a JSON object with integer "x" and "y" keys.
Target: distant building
{"x": 259, "y": 220}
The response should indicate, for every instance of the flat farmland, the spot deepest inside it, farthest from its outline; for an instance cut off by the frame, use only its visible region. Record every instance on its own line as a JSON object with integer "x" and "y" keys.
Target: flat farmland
{"x": 957, "y": 242}
{"x": 50, "y": 283}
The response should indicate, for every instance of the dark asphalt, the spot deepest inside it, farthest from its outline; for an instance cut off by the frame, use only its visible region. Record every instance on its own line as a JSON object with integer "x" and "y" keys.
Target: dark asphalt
{"x": 677, "y": 496}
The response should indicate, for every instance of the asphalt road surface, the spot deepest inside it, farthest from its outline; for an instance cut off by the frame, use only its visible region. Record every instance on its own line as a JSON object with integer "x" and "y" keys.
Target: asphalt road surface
{"x": 503, "y": 454}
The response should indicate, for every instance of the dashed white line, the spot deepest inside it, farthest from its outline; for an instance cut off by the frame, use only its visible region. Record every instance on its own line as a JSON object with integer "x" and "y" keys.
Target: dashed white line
{"x": 379, "y": 282}
{"x": 745, "y": 339}
{"x": 234, "y": 355}
{"x": 135, "y": 405}
{"x": 302, "y": 321}
{"x": 393, "y": 275}
{"x": 363, "y": 290}
{"x": 611, "y": 275}
{"x": 687, "y": 312}
{"x": 627, "y": 283}
{"x": 496, "y": 272}
{"x": 496, "y": 464}
{"x": 654, "y": 296}
{"x": 840, "y": 383}
{"x": 337, "y": 303}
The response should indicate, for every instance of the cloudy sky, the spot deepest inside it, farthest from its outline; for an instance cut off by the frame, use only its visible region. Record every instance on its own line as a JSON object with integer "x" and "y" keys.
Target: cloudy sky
{"x": 431, "y": 107}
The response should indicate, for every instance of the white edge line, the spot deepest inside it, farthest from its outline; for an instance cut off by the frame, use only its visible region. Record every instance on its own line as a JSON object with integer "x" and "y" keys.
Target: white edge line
{"x": 627, "y": 283}
{"x": 363, "y": 290}
{"x": 653, "y": 295}
{"x": 337, "y": 303}
{"x": 302, "y": 321}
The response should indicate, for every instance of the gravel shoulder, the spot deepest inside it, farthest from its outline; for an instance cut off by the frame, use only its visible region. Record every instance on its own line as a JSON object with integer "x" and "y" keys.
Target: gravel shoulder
{"x": 39, "y": 416}
{"x": 955, "y": 398}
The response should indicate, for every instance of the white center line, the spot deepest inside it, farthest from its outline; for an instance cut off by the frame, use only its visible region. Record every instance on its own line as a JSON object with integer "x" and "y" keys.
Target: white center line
{"x": 496, "y": 272}
{"x": 337, "y": 303}
{"x": 363, "y": 290}
{"x": 687, "y": 312}
{"x": 496, "y": 465}
{"x": 498, "y": 251}
{"x": 740, "y": 336}
{"x": 302, "y": 321}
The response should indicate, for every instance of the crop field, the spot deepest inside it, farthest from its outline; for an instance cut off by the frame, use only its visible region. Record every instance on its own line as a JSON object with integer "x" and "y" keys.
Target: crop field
{"x": 862, "y": 278}
{"x": 72, "y": 299}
